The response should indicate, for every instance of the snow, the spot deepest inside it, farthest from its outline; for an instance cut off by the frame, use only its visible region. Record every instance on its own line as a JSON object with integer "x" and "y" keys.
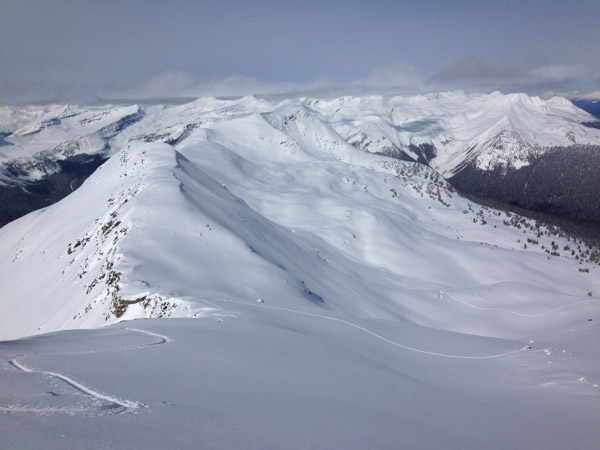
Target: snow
{"x": 298, "y": 292}
{"x": 462, "y": 127}
{"x": 269, "y": 378}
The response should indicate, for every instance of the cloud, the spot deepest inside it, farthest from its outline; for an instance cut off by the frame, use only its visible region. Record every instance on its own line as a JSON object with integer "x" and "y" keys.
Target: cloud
{"x": 471, "y": 72}
{"x": 572, "y": 95}
{"x": 25, "y": 92}
{"x": 590, "y": 96}
{"x": 176, "y": 84}
{"x": 392, "y": 76}
{"x": 474, "y": 74}
{"x": 559, "y": 73}
{"x": 468, "y": 74}
{"x": 166, "y": 84}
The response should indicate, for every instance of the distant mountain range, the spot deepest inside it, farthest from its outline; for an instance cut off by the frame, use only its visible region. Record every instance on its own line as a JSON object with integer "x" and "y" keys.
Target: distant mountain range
{"x": 513, "y": 148}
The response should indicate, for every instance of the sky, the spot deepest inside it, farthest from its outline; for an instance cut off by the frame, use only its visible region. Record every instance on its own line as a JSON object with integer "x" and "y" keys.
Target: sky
{"x": 145, "y": 49}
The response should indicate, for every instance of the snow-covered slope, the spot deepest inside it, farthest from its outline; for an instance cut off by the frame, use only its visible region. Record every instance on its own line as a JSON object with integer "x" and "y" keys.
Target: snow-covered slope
{"x": 254, "y": 376}
{"x": 151, "y": 233}
{"x": 269, "y": 205}
{"x": 308, "y": 293}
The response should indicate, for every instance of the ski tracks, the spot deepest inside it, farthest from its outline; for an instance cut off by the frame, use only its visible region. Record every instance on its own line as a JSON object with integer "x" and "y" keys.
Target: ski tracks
{"x": 377, "y": 336}
{"x": 515, "y": 313}
{"x": 80, "y": 387}
{"x": 119, "y": 405}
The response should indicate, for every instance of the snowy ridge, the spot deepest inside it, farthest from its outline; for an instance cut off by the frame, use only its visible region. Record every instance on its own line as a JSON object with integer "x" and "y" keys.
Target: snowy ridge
{"x": 279, "y": 199}
{"x": 98, "y": 257}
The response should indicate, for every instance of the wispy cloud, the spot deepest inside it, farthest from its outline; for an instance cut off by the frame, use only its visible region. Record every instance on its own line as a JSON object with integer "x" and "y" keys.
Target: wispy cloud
{"x": 471, "y": 72}
{"x": 573, "y": 95}
{"x": 25, "y": 92}
{"x": 474, "y": 74}
{"x": 176, "y": 84}
{"x": 394, "y": 76}
{"x": 555, "y": 73}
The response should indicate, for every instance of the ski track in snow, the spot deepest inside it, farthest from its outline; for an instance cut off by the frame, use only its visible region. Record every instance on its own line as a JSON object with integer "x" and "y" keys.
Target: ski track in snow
{"x": 80, "y": 387}
{"x": 507, "y": 311}
{"x": 163, "y": 339}
{"x": 122, "y": 404}
{"x": 405, "y": 347}
{"x": 220, "y": 309}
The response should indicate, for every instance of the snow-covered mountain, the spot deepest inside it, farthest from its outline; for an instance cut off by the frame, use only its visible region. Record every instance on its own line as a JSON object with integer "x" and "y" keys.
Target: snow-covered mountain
{"x": 490, "y": 129}
{"x": 269, "y": 193}
{"x": 292, "y": 254}
{"x": 476, "y": 141}
{"x": 458, "y": 128}
{"x": 39, "y": 137}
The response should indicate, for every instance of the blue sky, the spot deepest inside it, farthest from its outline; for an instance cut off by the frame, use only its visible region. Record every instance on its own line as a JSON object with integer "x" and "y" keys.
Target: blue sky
{"x": 146, "y": 49}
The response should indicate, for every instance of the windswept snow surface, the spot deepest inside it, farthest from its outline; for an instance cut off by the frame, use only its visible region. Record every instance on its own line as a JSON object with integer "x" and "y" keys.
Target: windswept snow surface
{"x": 318, "y": 296}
